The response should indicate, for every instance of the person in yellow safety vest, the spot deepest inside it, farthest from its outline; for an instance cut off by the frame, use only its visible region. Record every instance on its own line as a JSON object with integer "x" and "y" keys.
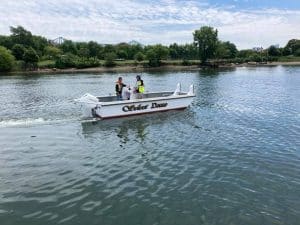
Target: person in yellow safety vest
{"x": 140, "y": 87}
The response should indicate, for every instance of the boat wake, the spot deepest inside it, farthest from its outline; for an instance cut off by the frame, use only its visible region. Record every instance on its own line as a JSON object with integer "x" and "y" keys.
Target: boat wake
{"x": 21, "y": 122}
{"x": 27, "y": 122}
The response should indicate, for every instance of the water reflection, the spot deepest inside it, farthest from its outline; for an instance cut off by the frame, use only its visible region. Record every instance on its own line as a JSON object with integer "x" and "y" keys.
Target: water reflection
{"x": 226, "y": 158}
{"x": 123, "y": 129}
{"x": 136, "y": 128}
{"x": 215, "y": 72}
{"x": 209, "y": 72}
{"x": 207, "y": 90}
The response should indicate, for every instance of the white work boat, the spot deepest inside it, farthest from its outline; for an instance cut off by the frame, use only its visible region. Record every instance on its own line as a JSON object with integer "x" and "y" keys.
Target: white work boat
{"x": 111, "y": 107}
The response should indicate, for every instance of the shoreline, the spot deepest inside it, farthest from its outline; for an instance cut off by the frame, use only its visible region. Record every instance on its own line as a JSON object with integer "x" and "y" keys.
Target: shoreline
{"x": 128, "y": 68}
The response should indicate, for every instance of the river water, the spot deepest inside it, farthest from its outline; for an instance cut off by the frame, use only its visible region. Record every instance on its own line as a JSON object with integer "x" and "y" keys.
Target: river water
{"x": 233, "y": 157}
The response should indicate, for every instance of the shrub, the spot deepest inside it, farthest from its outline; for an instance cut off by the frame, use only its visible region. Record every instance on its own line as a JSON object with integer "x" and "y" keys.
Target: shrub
{"x": 155, "y": 54}
{"x": 87, "y": 62}
{"x": 69, "y": 60}
{"x": 66, "y": 61}
{"x": 52, "y": 52}
{"x": 19, "y": 65}
{"x": 46, "y": 64}
{"x": 139, "y": 56}
{"x": 297, "y": 52}
{"x": 237, "y": 60}
{"x": 186, "y": 62}
{"x": 110, "y": 60}
{"x": 18, "y": 51}
{"x": 31, "y": 58}
{"x": 254, "y": 58}
{"x": 154, "y": 60}
{"x": 7, "y": 60}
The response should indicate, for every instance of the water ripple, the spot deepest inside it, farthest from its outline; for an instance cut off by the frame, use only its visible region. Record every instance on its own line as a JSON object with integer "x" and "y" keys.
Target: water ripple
{"x": 231, "y": 158}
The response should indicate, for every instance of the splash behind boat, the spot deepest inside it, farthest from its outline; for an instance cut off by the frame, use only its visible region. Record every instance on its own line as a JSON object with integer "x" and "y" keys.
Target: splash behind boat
{"x": 111, "y": 107}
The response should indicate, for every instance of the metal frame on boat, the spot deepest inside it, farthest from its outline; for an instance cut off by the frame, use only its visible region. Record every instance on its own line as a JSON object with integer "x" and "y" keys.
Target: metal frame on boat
{"x": 111, "y": 107}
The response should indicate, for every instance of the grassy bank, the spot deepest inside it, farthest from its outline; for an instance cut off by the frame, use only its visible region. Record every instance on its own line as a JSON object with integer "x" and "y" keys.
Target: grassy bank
{"x": 289, "y": 59}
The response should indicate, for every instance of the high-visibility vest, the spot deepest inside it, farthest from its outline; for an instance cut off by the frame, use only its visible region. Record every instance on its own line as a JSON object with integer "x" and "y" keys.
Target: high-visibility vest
{"x": 140, "y": 87}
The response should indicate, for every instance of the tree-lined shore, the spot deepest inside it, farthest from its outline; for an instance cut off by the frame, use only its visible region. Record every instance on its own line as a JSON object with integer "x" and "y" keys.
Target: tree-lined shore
{"x": 23, "y": 51}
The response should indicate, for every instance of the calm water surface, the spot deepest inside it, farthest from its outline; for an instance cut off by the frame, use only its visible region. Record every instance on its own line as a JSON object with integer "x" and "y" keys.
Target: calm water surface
{"x": 233, "y": 157}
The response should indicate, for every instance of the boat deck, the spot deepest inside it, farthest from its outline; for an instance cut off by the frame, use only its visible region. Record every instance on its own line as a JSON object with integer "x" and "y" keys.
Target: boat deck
{"x": 145, "y": 96}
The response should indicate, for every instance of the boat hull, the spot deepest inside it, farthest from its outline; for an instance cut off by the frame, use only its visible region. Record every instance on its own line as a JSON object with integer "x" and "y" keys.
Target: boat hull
{"x": 138, "y": 107}
{"x": 111, "y": 107}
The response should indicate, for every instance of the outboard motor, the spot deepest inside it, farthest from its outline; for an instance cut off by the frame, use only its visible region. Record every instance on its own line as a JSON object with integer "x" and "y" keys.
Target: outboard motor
{"x": 90, "y": 104}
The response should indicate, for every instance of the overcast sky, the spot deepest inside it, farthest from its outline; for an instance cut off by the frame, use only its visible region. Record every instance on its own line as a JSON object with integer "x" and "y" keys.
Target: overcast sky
{"x": 247, "y": 23}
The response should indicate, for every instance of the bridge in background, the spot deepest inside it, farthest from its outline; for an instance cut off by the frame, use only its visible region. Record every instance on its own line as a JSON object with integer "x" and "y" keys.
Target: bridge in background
{"x": 58, "y": 41}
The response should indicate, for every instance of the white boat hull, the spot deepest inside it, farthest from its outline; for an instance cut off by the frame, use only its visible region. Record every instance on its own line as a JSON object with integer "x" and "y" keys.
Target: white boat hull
{"x": 109, "y": 107}
{"x": 141, "y": 107}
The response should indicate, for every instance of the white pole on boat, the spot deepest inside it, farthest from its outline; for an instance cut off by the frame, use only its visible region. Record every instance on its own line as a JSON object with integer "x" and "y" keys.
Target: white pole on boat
{"x": 178, "y": 89}
{"x": 191, "y": 90}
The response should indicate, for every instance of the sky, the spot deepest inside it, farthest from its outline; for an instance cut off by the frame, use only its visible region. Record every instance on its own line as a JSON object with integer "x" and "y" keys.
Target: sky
{"x": 246, "y": 23}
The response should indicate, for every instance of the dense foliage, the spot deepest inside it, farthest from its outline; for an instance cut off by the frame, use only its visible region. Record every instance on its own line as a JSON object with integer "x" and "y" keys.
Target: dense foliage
{"x": 7, "y": 60}
{"x": 206, "y": 39}
{"x": 32, "y": 51}
{"x": 155, "y": 54}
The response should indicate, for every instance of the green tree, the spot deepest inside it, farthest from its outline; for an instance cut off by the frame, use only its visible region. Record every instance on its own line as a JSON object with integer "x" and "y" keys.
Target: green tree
{"x": 18, "y": 51}
{"x": 122, "y": 54}
{"x": 156, "y": 53}
{"x": 39, "y": 44}
{"x": 110, "y": 59}
{"x": 100, "y": 53}
{"x": 68, "y": 47}
{"x": 87, "y": 62}
{"x": 139, "y": 57}
{"x": 189, "y": 51}
{"x": 206, "y": 39}
{"x": 83, "y": 52}
{"x": 21, "y": 36}
{"x": 94, "y": 49}
{"x": 292, "y": 46}
{"x": 151, "y": 56}
{"x": 222, "y": 52}
{"x": 122, "y": 50}
{"x": 31, "y": 58}
{"x": 297, "y": 52}
{"x": 226, "y": 50}
{"x": 286, "y": 51}
{"x": 273, "y": 51}
{"x": 174, "y": 50}
{"x": 132, "y": 50}
{"x": 245, "y": 53}
{"x": 109, "y": 49}
{"x": 66, "y": 61}
{"x": 7, "y": 60}
{"x": 52, "y": 52}
{"x": 6, "y": 41}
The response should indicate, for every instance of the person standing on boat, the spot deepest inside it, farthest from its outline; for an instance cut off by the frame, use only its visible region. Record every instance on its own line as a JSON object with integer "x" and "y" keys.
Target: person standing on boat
{"x": 119, "y": 88}
{"x": 140, "y": 88}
